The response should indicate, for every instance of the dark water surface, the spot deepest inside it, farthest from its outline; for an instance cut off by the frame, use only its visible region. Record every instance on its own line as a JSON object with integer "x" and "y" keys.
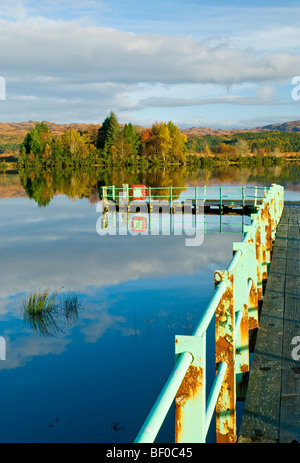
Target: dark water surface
{"x": 96, "y": 381}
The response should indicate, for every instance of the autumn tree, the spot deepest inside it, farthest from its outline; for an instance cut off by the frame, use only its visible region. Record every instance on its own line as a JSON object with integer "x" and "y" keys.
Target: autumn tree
{"x": 178, "y": 141}
{"x": 227, "y": 151}
{"x": 157, "y": 142}
{"x": 163, "y": 142}
{"x": 74, "y": 144}
{"x": 242, "y": 147}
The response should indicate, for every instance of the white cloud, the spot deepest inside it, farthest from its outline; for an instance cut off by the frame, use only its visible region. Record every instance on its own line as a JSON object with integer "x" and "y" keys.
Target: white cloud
{"x": 96, "y": 54}
{"x": 13, "y": 10}
{"x": 68, "y": 71}
{"x": 264, "y": 96}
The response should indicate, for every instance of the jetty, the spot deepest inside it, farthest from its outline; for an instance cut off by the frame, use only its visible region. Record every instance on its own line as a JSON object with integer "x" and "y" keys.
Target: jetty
{"x": 272, "y": 407}
{"x": 256, "y": 312}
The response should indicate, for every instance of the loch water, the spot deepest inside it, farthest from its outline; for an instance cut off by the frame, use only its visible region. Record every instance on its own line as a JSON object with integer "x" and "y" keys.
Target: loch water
{"x": 96, "y": 379}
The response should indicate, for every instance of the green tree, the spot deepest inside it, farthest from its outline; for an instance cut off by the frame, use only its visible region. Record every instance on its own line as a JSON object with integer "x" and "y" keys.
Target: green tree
{"x": 132, "y": 138}
{"x": 35, "y": 141}
{"x": 126, "y": 147}
{"x": 108, "y": 134}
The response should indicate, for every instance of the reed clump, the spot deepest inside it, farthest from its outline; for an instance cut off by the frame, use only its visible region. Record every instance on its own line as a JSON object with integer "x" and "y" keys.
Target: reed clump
{"x": 48, "y": 314}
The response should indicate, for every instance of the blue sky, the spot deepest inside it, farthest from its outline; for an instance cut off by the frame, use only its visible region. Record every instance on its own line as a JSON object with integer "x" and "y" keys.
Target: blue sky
{"x": 219, "y": 64}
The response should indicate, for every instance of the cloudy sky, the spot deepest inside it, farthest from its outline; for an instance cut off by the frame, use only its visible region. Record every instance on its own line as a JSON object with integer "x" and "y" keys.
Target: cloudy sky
{"x": 196, "y": 62}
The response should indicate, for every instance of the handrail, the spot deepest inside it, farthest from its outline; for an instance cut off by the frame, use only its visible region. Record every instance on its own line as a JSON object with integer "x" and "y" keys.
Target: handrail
{"x": 237, "y": 296}
{"x": 112, "y": 192}
{"x": 161, "y": 407}
{"x": 210, "y": 310}
{"x": 164, "y": 401}
{"x": 214, "y": 394}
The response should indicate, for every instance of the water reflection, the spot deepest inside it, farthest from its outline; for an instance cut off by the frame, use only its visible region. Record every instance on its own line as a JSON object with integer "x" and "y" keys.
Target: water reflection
{"x": 122, "y": 223}
{"x": 48, "y": 316}
{"x": 43, "y": 186}
{"x": 137, "y": 294}
{"x": 82, "y": 383}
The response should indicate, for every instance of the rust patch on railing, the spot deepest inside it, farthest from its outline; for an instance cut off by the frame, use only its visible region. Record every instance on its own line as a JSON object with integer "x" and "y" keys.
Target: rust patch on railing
{"x": 244, "y": 368}
{"x": 227, "y": 434}
{"x": 244, "y": 326}
{"x": 253, "y": 306}
{"x": 258, "y": 244}
{"x": 225, "y": 351}
{"x": 269, "y": 243}
{"x": 191, "y": 384}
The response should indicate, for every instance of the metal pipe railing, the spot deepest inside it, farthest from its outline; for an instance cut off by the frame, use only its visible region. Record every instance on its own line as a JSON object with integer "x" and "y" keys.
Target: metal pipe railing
{"x": 210, "y": 310}
{"x": 164, "y": 401}
{"x": 192, "y": 192}
{"x": 237, "y": 290}
{"x": 214, "y": 394}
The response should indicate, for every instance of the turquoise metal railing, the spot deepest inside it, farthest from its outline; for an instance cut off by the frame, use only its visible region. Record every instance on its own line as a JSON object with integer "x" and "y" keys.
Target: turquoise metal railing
{"x": 155, "y": 223}
{"x": 236, "y": 194}
{"x": 238, "y": 293}
{"x": 158, "y": 205}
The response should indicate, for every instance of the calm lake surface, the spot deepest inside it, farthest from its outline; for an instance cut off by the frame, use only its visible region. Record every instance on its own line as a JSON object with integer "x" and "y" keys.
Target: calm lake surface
{"x": 97, "y": 380}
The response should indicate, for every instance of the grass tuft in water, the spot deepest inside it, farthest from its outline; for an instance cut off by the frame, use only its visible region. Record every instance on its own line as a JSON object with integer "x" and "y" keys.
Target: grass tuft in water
{"x": 46, "y": 315}
{"x": 40, "y": 311}
{"x": 70, "y": 308}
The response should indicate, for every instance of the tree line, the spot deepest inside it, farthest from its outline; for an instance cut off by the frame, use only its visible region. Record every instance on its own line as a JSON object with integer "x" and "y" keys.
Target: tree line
{"x": 246, "y": 144}
{"x": 163, "y": 143}
{"x": 111, "y": 144}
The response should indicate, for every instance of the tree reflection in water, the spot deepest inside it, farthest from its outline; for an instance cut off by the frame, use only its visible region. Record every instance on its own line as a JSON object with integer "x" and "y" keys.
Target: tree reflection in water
{"x": 47, "y": 314}
{"x": 43, "y": 186}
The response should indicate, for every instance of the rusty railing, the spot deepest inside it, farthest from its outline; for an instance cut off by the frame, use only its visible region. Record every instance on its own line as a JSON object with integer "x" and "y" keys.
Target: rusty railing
{"x": 234, "y": 306}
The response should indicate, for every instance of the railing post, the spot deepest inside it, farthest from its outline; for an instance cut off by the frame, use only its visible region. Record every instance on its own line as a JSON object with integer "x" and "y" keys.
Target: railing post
{"x": 242, "y": 335}
{"x": 243, "y": 198}
{"x": 190, "y": 400}
{"x": 225, "y": 352}
{"x": 278, "y": 193}
{"x": 276, "y": 203}
{"x": 104, "y": 197}
{"x": 252, "y": 275}
{"x": 263, "y": 237}
{"x": 127, "y": 197}
{"x": 256, "y": 219}
{"x": 149, "y": 195}
{"x": 267, "y": 230}
{"x": 273, "y": 209}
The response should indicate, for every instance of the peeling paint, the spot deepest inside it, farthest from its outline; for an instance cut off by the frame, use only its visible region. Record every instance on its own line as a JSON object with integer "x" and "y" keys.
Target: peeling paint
{"x": 190, "y": 388}
{"x": 225, "y": 351}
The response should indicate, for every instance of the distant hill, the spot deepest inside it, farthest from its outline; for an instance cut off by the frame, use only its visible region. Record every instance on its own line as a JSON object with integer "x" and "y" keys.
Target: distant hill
{"x": 18, "y": 130}
{"x": 284, "y": 127}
